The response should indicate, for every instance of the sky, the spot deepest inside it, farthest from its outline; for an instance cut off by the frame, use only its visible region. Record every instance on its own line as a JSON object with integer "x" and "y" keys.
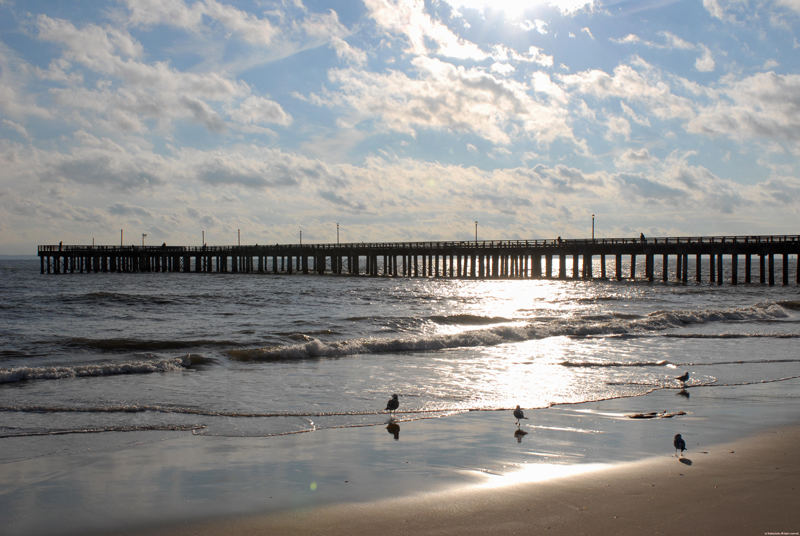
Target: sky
{"x": 398, "y": 120}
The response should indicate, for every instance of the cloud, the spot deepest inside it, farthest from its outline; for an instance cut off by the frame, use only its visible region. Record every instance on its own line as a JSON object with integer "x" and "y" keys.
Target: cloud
{"x": 793, "y": 5}
{"x": 536, "y": 25}
{"x": 765, "y": 105}
{"x": 634, "y": 157}
{"x": 16, "y": 127}
{"x": 423, "y": 34}
{"x": 644, "y": 188}
{"x": 672, "y": 41}
{"x": 637, "y": 82}
{"x": 140, "y": 95}
{"x": 443, "y": 96}
{"x": 16, "y": 101}
{"x": 255, "y": 110}
{"x": 636, "y": 118}
{"x": 705, "y": 63}
{"x": 176, "y": 13}
{"x": 122, "y": 209}
{"x": 348, "y": 53}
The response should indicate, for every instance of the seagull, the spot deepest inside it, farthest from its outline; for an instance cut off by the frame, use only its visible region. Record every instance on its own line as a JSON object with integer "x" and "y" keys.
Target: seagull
{"x": 518, "y": 414}
{"x": 683, "y": 377}
{"x": 679, "y": 443}
{"x": 392, "y": 404}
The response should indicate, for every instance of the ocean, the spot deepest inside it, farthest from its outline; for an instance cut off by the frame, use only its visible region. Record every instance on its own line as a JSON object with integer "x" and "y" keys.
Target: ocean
{"x": 87, "y": 361}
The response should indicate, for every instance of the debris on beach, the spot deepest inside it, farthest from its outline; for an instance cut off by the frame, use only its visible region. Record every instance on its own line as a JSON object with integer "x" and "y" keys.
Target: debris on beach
{"x": 656, "y": 415}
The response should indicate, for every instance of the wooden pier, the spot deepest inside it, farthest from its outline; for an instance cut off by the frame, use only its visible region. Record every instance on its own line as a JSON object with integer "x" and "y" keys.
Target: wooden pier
{"x": 737, "y": 259}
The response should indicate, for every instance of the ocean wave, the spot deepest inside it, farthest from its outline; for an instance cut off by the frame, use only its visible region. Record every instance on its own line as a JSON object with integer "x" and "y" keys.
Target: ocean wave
{"x": 732, "y": 335}
{"x": 493, "y": 336}
{"x": 128, "y": 344}
{"x": 792, "y": 305}
{"x": 469, "y": 320}
{"x": 18, "y": 374}
{"x": 604, "y": 364}
{"x": 208, "y": 412}
{"x": 98, "y": 430}
{"x": 120, "y": 298}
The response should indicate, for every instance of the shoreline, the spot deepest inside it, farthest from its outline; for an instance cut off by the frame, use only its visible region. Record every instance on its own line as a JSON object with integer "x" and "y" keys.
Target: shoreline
{"x": 748, "y": 486}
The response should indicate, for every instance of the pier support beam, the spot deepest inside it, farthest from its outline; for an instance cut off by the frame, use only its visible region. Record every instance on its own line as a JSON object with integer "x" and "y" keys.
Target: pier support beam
{"x": 747, "y": 268}
{"x": 785, "y": 266}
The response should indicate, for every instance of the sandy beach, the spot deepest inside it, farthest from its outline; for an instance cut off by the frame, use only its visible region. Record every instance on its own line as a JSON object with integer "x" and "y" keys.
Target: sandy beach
{"x": 746, "y": 487}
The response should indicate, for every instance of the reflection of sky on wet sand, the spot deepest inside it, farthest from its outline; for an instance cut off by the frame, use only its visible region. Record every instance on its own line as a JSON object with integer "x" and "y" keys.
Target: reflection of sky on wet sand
{"x": 111, "y": 480}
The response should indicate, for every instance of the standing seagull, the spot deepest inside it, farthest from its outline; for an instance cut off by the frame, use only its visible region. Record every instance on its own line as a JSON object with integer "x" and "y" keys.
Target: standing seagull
{"x": 392, "y": 404}
{"x": 683, "y": 377}
{"x": 518, "y": 414}
{"x": 679, "y": 443}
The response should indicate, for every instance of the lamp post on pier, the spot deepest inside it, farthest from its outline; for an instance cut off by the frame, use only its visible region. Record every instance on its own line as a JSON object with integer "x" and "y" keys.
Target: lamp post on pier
{"x": 476, "y": 232}
{"x": 143, "y": 235}
{"x": 337, "y": 233}
{"x": 592, "y": 227}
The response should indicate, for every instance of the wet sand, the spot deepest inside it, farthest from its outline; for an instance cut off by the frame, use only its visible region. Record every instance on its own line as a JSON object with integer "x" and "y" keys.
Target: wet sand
{"x": 578, "y": 469}
{"x": 747, "y": 487}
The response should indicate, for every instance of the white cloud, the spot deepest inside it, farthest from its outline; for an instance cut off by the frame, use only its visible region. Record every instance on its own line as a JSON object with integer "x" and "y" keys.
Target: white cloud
{"x": 634, "y": 157}
{"x": 617, "y": 127}
{"x": 714, "y": 8}
{"x": 443, "y": 96}
{"x": 257, "y": 110}
{"x": 636, "y": 118}
{"x": 765, "y": 105}
{"x": 637, "y": 82}
{"x": 536, "y": 25}
{"x": 347, "y": 52}
{"x": 409, "y": 19}
{"x": 672, "y": 41}
{"x": 16, "y": 127}
{"x": 176, "y": 13}
{"x": 705, "y": 63}
{"x": 794, "y": 5}
{"x": 628, "y": 39}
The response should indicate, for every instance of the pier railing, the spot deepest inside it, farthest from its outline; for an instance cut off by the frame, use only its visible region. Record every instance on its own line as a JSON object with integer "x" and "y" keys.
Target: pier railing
{"x": 566, "y": 243}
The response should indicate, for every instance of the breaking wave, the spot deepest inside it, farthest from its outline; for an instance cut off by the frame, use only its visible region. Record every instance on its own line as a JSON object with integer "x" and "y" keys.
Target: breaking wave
{"x": 18, "y": 374}
{"x": 605, "y": 364}
{"x": 469, "y": 320}
{"x": 493, "y": 336}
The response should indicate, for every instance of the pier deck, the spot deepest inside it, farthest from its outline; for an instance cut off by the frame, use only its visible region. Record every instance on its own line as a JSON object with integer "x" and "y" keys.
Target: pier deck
{"x": 737, "y": 259}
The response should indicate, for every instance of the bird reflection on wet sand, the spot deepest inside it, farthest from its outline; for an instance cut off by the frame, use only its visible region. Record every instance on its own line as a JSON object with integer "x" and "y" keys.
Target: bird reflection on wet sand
{"x": 519, "y": 434}
{"x": 683, "y": 393}
{"x": 394, "y": 429}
